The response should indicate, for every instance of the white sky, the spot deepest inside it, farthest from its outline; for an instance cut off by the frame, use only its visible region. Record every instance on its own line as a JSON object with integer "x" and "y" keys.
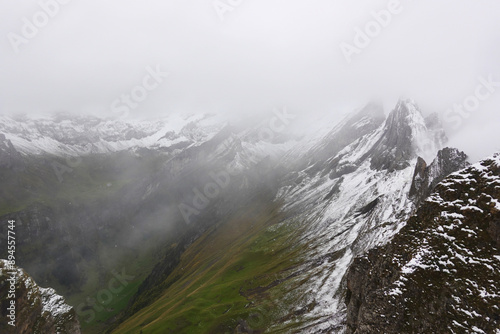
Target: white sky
{"x": 265, "y": 54}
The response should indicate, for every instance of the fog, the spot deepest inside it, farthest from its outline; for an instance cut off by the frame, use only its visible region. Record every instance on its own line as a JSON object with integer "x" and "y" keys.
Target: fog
{"x": 248, "y": 57}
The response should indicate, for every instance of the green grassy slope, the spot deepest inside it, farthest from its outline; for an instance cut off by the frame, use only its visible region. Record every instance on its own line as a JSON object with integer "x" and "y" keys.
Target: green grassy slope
{"x": 228, "y": 279}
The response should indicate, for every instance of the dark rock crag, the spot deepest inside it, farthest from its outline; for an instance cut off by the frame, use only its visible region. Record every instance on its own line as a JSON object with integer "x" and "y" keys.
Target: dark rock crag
{"x": 440, "y": 273}
{"x": 38, "y": 310}
{"x": 425, "y": 178}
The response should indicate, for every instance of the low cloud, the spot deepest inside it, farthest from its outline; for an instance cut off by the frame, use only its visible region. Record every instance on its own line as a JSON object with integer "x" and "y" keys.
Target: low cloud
{"x": 261, "y": 55}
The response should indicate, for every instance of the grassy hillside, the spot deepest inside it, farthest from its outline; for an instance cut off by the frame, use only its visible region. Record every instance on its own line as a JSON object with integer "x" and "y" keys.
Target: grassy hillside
{"x": 228, "y": 279}
{"x": 229, "y": 275}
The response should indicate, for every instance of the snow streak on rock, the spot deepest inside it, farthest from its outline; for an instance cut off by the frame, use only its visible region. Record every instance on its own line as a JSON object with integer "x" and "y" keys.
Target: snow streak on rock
{"x": 440, "y": 272}
{"x": 38, "y": 310}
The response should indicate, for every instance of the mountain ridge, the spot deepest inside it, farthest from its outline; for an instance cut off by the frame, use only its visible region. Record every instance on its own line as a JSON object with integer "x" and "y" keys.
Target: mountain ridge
{"x": 438, "y": 274}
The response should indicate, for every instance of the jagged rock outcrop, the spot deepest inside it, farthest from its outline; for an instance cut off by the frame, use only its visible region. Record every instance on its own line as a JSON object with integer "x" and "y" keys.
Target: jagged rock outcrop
{"x": 440, "y": 273}
{"x": 406, "y": 134}
{"x": 425, "y": 178}
{"x": 37, "y": 310}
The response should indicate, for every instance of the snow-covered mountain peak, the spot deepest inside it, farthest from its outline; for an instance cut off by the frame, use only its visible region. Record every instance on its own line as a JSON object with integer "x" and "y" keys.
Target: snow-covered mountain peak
{"x": 406, "y": 113}
{"x": 405, "y": 136}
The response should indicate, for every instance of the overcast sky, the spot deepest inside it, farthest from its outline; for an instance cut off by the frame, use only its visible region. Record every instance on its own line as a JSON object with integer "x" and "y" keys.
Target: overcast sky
{"x": 262, "y": 54}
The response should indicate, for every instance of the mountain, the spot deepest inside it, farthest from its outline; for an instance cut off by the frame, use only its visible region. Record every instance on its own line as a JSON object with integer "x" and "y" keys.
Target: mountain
{"x": 233, "y": 228}
{"x": 357, "y": 199}
{"x": 439, "y": 273}
{"x": 406, "y": 134}
{"x": 37, "y": 310}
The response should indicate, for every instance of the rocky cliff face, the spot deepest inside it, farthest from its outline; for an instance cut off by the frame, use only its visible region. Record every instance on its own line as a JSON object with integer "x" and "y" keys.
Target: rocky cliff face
{"x": 426, "y": 178}
{"x": 37, "y": 310}
{"x": 440, "y": 272}
{"x": 406, "y": 134}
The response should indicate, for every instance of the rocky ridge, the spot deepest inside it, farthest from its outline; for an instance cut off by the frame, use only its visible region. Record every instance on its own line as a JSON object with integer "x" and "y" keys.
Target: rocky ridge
{"x": 440, "y": 272}
{"x": 38, "y": 310}
{"x": 426, "y": 177}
